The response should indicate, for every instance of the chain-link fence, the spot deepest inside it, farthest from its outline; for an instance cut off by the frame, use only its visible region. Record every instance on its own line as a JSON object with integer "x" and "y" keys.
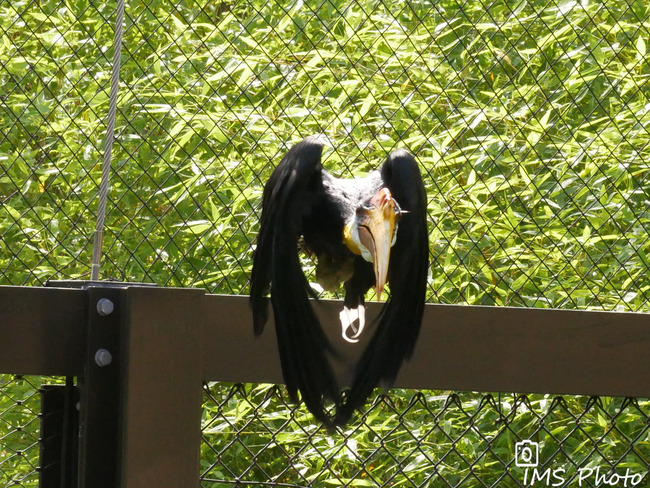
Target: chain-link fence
{"x": 529, "y": 120}
{"x": 423, "y": 439}
{"x": 252, "y": 436}
{"x": 20, "y": 406}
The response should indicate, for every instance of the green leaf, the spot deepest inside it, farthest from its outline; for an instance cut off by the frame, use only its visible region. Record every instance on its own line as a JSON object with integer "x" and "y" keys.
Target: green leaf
{"x": 640, "y": 47}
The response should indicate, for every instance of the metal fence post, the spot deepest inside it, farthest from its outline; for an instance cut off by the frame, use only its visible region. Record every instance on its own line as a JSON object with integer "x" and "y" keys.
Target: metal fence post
{"x": 140, "y": 387}
{"x": 161, "y": 387}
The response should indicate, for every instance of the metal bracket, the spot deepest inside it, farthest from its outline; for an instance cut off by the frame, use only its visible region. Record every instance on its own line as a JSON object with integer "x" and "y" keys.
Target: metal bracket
{"x": 99, "y": 433}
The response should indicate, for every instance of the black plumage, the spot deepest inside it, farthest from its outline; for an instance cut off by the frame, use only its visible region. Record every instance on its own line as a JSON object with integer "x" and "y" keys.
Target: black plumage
{"x": 364, "y": 232}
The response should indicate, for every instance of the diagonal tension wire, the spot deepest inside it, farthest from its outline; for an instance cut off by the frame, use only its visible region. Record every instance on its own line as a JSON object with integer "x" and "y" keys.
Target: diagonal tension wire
{"x": 98, "y": 236}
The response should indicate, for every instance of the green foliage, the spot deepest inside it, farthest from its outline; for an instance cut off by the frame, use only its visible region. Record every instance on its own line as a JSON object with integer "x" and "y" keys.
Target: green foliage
{"x": 530, "y": 123}
{"x": 529, "y": 119}
{"x": 416, "y": 439}
{"x": 19, "y": 429}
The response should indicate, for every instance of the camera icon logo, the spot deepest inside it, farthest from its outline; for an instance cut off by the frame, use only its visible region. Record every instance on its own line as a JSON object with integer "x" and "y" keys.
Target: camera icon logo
{"x": 526, "y": 454}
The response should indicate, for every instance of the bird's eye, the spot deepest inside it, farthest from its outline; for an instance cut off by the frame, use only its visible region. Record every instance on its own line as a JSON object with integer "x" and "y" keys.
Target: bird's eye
{"x": 363, "y": 209}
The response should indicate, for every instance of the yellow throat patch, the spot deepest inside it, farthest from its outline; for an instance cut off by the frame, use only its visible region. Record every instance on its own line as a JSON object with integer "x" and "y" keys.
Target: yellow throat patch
{"x": 347, "y": 240}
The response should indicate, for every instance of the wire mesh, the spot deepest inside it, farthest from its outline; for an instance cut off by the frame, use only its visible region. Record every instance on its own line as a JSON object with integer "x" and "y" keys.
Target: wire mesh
{"x": 20, "y": 407}
{"x": 530, "y": 123}
{"x": 529, "y": 120}
{"x": 252, "y": 436}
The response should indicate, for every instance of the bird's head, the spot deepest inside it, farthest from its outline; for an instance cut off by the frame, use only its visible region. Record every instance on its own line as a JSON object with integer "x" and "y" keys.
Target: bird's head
{"x": 373, "y": 231}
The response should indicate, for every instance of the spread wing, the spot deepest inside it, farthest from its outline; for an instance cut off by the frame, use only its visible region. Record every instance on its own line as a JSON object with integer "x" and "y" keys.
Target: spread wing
{"x": 292, "y": 192}
{"x": 398, "y": 323}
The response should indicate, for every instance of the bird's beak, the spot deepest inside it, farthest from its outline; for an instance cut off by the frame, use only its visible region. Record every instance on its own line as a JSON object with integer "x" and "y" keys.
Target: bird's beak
{"x": 376, "y": 233}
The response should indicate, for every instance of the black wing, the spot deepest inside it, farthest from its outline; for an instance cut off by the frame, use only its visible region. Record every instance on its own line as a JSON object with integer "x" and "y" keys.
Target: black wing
{"x": 398, "y": 324}
{"x": 294, "y": 189}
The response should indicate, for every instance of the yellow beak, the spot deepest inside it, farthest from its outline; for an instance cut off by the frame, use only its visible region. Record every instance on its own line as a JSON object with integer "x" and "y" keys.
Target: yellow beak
{"x": 376, "y": 234}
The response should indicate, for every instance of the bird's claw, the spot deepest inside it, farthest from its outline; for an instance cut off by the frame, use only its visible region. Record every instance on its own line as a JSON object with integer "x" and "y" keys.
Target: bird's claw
{"x": 355, "y": 319}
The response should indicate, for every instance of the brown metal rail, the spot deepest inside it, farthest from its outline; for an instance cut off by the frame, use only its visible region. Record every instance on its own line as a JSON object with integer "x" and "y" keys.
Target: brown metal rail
{"x": 163, "y": 342}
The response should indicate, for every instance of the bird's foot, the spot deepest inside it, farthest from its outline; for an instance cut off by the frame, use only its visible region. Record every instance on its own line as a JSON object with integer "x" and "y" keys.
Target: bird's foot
{"x": 354, "y": 320}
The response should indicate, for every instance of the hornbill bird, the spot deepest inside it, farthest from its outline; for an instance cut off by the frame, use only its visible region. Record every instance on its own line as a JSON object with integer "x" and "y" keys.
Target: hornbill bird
{"x": 365, "y": 232}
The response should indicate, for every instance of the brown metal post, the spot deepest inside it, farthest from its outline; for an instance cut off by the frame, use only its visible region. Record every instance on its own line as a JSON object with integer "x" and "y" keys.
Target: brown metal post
{"x": 138, "y": 362}
{"x": 161, "y": 387}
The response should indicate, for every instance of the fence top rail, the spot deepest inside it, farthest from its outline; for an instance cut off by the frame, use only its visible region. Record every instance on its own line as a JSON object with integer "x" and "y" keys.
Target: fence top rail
{"x": 475, "y": 348}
